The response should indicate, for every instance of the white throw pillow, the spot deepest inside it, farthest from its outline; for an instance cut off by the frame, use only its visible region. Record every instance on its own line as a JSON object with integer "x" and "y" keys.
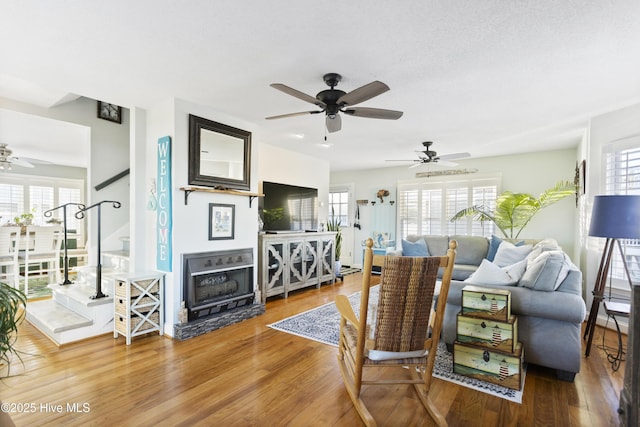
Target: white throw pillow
{"x": 509, "y": 254}
{"x": 544, "y": 245}
{"x": 488, "y": 273}
{"x": 547, "y": 271}
{"x": 516, "y": 271}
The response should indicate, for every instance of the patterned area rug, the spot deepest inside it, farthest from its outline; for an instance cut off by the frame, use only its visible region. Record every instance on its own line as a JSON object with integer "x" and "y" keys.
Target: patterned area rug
{"x": 322, "y": 324}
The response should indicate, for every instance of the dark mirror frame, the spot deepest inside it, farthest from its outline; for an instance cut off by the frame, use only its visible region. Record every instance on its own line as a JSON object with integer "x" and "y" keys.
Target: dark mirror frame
{"x": 196, "y": 124}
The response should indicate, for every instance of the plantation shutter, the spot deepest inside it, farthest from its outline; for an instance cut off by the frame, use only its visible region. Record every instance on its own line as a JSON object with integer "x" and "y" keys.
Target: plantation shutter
{"x": 622, "y": 176}
{"x": 408, "y": 211}
{"x": 431, "y": 212}
{"x": 40, "y": 199}
{"x": 74, "y": 225}
{"x": 37, "y": 194}
{"x": 11, "y": 202}
{"x": 424, "y": 208}
{"x": 457, "y": 199}
{"x": 484, "y": 195}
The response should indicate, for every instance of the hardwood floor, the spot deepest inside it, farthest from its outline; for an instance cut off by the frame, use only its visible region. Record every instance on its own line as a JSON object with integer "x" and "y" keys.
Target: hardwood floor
{"x": 250, "y": 375}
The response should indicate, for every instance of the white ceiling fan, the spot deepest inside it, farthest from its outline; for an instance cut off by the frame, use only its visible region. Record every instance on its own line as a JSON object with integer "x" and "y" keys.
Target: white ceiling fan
{"x": 429, "y": 156}
{"x": 7, "y": 160}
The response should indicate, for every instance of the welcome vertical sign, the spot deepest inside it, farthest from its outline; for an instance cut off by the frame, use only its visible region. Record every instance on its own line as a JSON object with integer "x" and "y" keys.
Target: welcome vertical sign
{"x": 163, "y": 249}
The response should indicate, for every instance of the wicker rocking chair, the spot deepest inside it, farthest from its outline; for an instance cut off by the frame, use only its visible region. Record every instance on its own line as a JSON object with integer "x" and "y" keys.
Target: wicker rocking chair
{"x": 399, "y": 333}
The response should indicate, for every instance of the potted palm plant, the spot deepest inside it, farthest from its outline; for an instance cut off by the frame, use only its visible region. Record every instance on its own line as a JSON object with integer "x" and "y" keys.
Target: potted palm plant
{"x": 513, "y": 211}
{"x": 12, "y": 303}
{"x": 333, "y": 224}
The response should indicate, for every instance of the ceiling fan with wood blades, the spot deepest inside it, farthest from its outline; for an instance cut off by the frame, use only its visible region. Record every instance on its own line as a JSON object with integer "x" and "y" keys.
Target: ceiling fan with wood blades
{"x": 333, "y": 101}
{"x": 427, "y": 155}
{"x": 7, "y": 160}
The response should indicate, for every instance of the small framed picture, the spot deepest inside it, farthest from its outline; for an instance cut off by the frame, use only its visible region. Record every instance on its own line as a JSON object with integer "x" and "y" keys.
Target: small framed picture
{"x": 110, "y": 112}
{"x": 221, "y": 221}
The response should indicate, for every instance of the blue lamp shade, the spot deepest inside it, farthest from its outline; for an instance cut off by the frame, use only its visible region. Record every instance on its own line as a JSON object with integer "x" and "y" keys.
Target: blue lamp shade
{"x": 616, "y": 217}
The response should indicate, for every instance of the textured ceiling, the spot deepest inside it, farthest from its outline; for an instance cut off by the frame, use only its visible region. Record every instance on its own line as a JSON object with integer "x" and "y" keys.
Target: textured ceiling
{"x": 484, "y": 77}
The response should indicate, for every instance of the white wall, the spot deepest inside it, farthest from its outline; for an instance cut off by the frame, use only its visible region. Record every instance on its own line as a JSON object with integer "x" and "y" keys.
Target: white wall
{"x": 288, "y": 167}
{"x": 523, "y": 173}
{"x": 603, "y": 129}
{"x": 190, "y": 222}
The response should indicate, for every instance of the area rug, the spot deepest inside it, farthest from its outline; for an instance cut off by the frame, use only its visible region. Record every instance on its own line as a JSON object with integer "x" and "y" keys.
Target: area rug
{"x": 322, "y": 324}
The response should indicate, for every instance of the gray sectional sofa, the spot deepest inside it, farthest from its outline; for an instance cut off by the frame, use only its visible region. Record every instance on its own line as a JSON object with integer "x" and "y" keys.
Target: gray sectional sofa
{"x": 550, "y": 315}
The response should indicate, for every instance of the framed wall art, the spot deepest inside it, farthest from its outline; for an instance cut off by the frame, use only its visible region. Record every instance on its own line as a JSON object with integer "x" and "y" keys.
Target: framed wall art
{"x": 221, "y": 221}
{"x": 110, "y": 112}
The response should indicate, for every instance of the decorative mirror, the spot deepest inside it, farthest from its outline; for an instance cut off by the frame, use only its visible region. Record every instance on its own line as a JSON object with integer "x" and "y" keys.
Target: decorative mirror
{"x": 219, "y": 155}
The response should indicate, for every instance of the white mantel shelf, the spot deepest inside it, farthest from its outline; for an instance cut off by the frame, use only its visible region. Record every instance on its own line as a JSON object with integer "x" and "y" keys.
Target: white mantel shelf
{"x": 190, "y": 189}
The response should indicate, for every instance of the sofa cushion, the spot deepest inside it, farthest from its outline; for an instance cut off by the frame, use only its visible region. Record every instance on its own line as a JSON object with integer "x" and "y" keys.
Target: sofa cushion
{"x": 437, "y": 245}
{"x": 509, "y": 254}
{"x": 546, "y": 272}
{"x": 461, "y": 271}
{"x": 471, "y": 249}
{"x": 417, "y": 248}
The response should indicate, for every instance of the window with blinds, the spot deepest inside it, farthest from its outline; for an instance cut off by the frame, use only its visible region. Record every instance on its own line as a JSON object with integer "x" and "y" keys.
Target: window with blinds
{"x": 426, "y": 207}
{"x": 40, "y": 200}
{"x": 24, "y": 193}
{"x": 11, "y": 202}
{"x": 622, "y": 176}
{"x": 70, "y": 195}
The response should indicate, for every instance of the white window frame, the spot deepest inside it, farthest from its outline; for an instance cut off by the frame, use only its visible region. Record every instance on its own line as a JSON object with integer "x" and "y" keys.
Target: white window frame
{"x": 444, "y": 186}
{"x": 342, "y": 209}
{"x": 621, "y": 175}
{"x": 28, "y": 181}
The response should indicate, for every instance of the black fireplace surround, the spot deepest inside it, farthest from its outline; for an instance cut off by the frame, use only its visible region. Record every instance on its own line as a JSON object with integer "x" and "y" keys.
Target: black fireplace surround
{"x": 218, "y": 281}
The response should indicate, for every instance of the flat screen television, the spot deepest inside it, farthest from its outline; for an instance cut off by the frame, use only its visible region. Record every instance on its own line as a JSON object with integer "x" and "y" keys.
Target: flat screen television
{"x": 287, "y": 207}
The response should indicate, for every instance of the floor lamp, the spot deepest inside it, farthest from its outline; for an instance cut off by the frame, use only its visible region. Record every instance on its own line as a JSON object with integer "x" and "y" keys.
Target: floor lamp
{"x": 613, "y": 217}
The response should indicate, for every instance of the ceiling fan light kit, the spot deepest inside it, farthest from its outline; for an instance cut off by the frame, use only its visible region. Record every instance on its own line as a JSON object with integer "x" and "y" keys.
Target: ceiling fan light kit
{"x": 7, "y": 160}
{"x": 334, "y": 101}
{"x": 430, "y": 156}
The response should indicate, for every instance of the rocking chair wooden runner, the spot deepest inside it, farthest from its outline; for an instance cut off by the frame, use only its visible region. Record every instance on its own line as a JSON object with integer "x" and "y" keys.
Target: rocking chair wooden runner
{"x": 405, "y": 333}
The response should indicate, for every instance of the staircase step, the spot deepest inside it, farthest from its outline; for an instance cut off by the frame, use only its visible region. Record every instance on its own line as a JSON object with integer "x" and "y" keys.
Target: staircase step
{"x": 49, "y": 316}
{"x": 77, "y": 297}
{"x": 118, "y": 260}
{"x": 86, "y": 275}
